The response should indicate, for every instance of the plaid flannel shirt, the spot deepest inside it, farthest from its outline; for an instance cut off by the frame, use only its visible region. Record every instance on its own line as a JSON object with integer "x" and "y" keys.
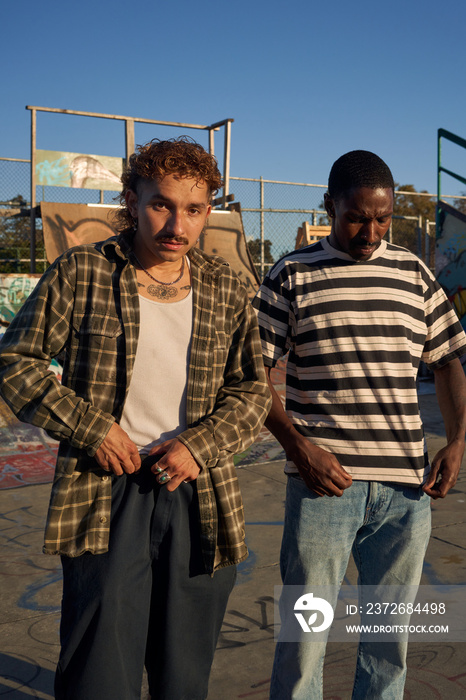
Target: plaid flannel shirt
{"x": 85, "y": 310}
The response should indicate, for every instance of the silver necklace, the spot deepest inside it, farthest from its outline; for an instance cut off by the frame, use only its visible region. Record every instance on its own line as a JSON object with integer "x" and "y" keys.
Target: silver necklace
{"x": 161, "y": 292}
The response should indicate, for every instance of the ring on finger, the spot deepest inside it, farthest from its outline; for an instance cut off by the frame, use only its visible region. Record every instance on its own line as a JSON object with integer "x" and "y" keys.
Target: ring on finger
{"x": 163, "y": 478}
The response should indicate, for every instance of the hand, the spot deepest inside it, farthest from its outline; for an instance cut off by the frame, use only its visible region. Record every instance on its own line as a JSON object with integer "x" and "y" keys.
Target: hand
{"x": 321, "y": 470}
{"x": 118, "y": 453}
{"x": 444, "y": 471}
{"x": 176, "y": 461}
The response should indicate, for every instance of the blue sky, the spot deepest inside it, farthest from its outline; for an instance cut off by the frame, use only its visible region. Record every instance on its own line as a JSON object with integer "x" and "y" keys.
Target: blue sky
{"x": 304, "y": 81}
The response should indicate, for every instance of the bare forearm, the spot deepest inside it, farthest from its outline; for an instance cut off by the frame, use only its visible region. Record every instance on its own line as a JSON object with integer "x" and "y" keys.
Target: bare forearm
{"x": 277, "y": 421}
{"x": 450, "y": 387}
{"x": 320, "y": 469}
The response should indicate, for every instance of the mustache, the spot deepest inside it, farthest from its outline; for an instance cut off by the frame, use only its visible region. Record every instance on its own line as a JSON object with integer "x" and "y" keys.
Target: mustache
{"x": 360, "y": 242}
{"x": 172, "y": 239}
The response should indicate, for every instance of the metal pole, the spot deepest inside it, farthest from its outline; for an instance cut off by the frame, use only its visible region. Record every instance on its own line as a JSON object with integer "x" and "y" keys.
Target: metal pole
{"x": 262, "y": 241}
{"x": 32, "y": 244}
{"x": 178, "y": 125}
{"x": 427, "y": 244}
{"x": 211, "y": 142}
{"x": 419, "y": 237}
{"x": 431, "y": 262}
{"x": 226, "y": 161}
{"x": 129, "y": 138}
{"x": 439, "y": 157}
{"x": 437, "y": 208}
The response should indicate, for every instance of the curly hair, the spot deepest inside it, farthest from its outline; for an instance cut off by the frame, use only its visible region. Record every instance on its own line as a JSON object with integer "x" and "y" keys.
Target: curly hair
{"x": 358, "y": 169}
{"x": 155, "y": 159}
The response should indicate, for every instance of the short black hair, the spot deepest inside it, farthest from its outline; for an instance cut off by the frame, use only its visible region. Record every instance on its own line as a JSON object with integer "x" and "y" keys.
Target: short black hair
{"x": 358, "y": 169}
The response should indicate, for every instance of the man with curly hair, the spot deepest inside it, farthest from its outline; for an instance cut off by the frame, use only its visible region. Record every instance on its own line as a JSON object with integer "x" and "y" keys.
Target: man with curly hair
{"x": 163, "y": 383}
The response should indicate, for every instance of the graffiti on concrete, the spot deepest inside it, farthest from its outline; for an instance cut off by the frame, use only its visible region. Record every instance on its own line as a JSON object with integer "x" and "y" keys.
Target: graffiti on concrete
{"x": 14, "y": 290}
{"x": 27, "y": 454}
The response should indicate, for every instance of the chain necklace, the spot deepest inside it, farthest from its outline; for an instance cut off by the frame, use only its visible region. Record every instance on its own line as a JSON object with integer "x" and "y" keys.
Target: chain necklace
{"x": 165, "y": 289}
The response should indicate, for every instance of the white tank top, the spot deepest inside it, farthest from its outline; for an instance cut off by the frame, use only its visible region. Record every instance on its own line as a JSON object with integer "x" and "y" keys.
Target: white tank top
{"x": 155, "y": 408}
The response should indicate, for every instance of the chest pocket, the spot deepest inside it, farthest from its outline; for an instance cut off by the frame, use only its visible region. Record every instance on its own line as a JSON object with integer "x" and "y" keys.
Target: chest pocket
{"x": 98, "y": 340}
{"x": 98, "y": 325}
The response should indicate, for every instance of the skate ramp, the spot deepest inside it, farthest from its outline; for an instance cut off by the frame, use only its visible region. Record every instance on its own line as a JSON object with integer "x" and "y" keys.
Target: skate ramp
{"x": 68, "y": 225}
{"x": 224, "y": 236}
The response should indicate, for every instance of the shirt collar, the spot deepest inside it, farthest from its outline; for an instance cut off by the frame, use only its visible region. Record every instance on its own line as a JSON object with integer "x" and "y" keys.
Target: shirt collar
{"x": 334, "y": 252}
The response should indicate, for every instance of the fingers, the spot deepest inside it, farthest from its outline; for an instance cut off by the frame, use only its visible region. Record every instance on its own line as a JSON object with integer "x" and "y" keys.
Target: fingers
{"x": 130, "y": 462}
{"x": 438, "y": 485}
{"x": 320, "y": 470}
{"x": 436, "y": 490}
{"x": 121, "y": 464}
{"x": 430, "y": 487}
{"x": 332, "y": 482}
{"x": 171, "y": 477}
{"x": 444, "y": 471}
{"x": 118, "y": 453}
{"x": 171, "y": 482}
{"x": 175, "y": 465}
{"x": 326, "y": 489}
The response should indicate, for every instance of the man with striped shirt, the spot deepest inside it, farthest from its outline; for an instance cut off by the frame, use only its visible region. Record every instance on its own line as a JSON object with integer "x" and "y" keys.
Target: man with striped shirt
{"x": 357, "y": 315}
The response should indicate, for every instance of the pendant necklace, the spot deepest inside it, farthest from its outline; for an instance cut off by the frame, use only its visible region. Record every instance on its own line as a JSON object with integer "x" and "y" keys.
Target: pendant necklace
{"x": 165, "y": 289}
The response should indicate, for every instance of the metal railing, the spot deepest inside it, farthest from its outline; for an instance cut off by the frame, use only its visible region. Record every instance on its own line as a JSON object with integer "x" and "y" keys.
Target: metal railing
{"x": 129, "y": 149}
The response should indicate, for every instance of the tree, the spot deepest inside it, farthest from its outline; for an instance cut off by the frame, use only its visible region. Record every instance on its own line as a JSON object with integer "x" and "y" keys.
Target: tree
{"x": 254, "y": 246}
{"x": 413, "y": 204}
{"x": 460, "y": 204}
{"x": 15, "y": 234}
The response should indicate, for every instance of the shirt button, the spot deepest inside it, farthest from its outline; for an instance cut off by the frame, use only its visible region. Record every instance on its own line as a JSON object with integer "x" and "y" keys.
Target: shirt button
{"x": 103, "y": 519}
{"x": 105, "y": 478}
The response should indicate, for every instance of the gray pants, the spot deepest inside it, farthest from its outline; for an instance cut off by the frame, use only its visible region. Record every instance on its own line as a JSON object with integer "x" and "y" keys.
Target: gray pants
{"x": 146, "y": 601}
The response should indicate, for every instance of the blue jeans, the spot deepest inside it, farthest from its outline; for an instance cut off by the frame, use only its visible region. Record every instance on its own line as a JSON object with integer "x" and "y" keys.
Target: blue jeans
{"x": 387, "y": 527}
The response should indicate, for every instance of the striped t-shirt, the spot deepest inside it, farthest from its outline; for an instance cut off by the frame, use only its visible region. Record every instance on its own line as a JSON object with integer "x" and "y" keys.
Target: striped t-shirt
{"x": 356, "y": 332}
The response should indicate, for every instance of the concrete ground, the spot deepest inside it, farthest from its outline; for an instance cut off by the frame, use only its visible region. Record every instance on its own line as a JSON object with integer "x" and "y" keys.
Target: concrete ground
{"x": 31, "y": 586}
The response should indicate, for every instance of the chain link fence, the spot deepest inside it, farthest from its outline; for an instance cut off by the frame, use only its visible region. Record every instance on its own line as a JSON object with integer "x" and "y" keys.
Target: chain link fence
{"x": 274, "y": 210}
{"x": 272, "y": 213}
{"x": 15, "y": 227}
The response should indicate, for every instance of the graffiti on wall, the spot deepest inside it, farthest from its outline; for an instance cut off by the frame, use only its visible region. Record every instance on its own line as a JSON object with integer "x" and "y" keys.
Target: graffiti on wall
{"x": 450, "y": 258}
{"x": 63, "y": 169}
{"x": 27, "y": 454}
{"x": 14, "y": 290}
